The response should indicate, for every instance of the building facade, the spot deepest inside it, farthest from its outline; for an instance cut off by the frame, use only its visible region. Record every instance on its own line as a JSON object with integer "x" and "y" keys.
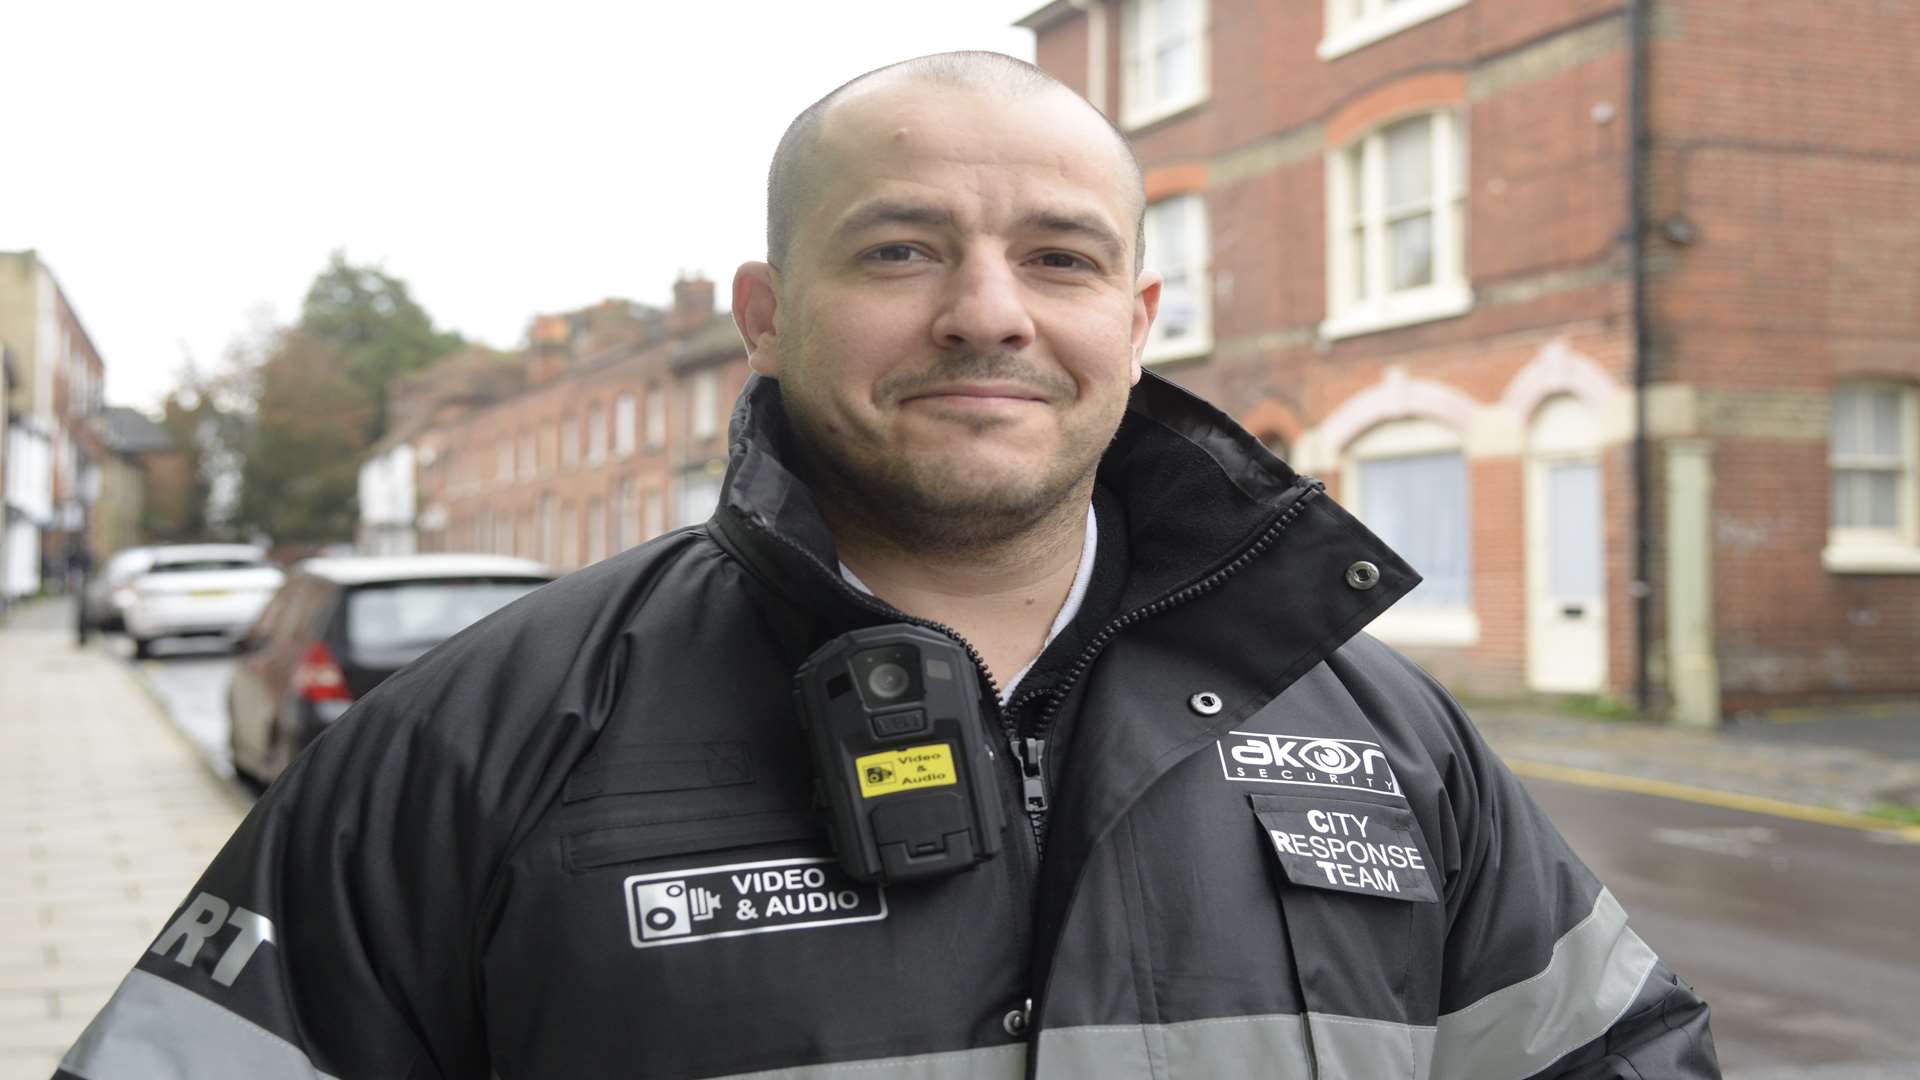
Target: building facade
{"x": 53, "y": 442}
{"x": 1600, "y": 312}
{"x": 617, "y": 435}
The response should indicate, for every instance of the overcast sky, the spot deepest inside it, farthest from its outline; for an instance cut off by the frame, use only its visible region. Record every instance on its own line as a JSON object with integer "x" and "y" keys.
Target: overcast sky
{"x": 186, "y": 167}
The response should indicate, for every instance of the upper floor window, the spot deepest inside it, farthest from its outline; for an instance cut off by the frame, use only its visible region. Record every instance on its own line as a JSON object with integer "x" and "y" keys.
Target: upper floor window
{"x": 1352, "y": 24}
{"x": 569, "y": 442}
{"x": 623, "y": 424}
{"x": 1177, "y": 247}
{"x": 596, "y": 434}
{"x": 705, "y": 405}
{"x": 1873, "y": 451}
{"x": 527, "y": 459}
{"x": 656, "y": 425}
{"x": 1396, "y": 229}
{"x": 1163, "y": 58}
{"x": 503, "y": 460}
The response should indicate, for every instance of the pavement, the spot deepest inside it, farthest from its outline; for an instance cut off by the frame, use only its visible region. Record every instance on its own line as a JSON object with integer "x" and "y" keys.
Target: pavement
{"x": 107, "y": 817}
{"x": 1849, "y": 762}
{"x": 108, "y": 812}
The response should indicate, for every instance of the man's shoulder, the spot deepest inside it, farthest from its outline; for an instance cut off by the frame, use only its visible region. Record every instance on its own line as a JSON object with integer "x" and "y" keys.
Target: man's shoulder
{"x": 548, "y": 652}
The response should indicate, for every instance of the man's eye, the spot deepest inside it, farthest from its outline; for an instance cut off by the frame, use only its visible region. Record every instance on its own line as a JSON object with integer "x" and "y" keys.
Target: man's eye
{"x": 1061, "y": 260}
{"x": 894, "y": 253}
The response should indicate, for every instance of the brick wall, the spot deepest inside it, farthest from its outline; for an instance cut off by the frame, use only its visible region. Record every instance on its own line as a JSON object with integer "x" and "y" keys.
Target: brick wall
{"x": 1786, "y": 139}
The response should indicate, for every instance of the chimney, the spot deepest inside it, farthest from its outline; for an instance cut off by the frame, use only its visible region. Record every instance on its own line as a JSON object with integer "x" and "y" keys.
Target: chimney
{"x": 692, "y": 303}
{"x": 549, "y": 339}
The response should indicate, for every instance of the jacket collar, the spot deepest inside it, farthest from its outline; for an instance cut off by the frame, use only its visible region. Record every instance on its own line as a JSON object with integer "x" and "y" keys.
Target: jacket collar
{"x": 1196, "y": 490}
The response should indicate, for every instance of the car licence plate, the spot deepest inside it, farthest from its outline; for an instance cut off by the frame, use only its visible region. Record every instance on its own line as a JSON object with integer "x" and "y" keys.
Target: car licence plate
{"x": 208, "y": 594}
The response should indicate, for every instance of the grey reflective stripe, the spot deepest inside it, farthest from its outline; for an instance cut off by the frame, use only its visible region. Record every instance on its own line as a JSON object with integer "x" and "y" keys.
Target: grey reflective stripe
{"x": 987, "y": 1063}
{"x": 1351, "y": 1046}
{"x": 155, "y": 1030}
{"x": 1271, "y": 1045}
{"x": 1596, "y": 971}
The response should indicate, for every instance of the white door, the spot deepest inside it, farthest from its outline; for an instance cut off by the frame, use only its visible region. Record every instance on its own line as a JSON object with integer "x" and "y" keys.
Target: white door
{"x": 1566, "y": 553}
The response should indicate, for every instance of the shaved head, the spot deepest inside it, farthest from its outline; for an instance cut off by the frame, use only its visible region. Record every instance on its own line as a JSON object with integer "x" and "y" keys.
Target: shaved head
{"x": 794, "y": 180}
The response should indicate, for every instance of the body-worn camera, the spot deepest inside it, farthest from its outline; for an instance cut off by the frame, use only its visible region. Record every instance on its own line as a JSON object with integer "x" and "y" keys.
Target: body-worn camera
{"x": 893, "y": 717}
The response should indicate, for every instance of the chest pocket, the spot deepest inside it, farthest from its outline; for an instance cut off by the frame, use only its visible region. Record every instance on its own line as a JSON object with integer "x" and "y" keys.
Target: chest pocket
{"x": 1359, "y": 899}
{"x": 711, "y": 803}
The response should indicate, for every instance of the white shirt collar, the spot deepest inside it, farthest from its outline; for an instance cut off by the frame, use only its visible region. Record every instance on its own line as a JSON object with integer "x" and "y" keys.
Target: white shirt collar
{"x": 1076, "y": 594}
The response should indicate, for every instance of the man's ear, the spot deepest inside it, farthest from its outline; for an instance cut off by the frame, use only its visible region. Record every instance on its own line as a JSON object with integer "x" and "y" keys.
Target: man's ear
{"x": 1146, "y": 308}
{"x": 755, "y": 302}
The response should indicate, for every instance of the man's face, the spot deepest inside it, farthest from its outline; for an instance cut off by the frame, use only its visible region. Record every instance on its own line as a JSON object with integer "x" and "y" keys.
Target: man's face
{"x": 959, "y": 321}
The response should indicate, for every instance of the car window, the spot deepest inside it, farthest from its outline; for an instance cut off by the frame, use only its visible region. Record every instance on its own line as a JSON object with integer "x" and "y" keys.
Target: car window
{"x": 204, "y": 564}
{"x": 415, "y": 613}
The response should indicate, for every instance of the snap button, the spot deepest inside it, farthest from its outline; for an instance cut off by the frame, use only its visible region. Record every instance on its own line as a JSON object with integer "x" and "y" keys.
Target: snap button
{"x": 1206, "y": 703}
{"x": 1015, "y": 1022}
{"x": 1363, "y": 575}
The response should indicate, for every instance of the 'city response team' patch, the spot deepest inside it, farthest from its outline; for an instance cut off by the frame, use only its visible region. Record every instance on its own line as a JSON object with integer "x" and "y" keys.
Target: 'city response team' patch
{"x": 702, "y": 903}
{"x": 1347, "y": 846}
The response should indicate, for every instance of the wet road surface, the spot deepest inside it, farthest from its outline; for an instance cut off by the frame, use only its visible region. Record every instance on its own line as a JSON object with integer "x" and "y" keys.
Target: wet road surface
{"x": 1804, "y": 938}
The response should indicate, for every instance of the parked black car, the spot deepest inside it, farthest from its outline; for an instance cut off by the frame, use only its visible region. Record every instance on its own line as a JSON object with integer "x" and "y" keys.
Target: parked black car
{"x": 338, "y": 628}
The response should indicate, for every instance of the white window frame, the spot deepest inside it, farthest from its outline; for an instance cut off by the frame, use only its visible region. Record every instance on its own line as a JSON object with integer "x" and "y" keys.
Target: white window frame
{"x": 1346, "y": 30}
{"x": 503, "y": 461}
{"x": 704, "y": 407}
{"x": 656, "y": 417}
{"x": 623, "y": 423}
{"x": 1451, "y": 626}
{"x": 1196, "y": 244}
{"x": 1350, "y": 312}
{"x": 1141, "y": 105}
{"x": 1896, "y": 550}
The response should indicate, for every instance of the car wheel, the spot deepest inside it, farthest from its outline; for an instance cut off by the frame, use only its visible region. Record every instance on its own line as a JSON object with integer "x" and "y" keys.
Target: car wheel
{"x": 142, "y": 648}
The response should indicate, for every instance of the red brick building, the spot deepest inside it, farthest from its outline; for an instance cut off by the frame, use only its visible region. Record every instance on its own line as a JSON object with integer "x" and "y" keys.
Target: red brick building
{"x": 617, "y": 435}
{"x": 1657, "y": 438}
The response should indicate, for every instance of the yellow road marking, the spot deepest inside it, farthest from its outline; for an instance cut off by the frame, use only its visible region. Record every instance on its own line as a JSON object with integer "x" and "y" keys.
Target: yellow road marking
{"x": 1757, "y": 804}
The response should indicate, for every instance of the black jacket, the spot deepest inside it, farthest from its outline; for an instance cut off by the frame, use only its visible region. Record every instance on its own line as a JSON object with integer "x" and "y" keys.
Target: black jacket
{"x": 577, "y": 839}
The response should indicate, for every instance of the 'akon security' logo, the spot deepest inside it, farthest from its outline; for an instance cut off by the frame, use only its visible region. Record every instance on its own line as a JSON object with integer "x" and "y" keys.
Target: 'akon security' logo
{"x": 1312, "y": 760}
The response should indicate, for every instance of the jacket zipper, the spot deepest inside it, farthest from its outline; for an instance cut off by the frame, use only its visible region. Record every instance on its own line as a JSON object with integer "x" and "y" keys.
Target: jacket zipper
{"x": 1028, "y": 881}
{"x": 1037, "y": 777}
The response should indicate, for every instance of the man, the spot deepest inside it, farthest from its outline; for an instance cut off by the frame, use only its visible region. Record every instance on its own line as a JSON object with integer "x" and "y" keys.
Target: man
{"x": 580, "y": 839}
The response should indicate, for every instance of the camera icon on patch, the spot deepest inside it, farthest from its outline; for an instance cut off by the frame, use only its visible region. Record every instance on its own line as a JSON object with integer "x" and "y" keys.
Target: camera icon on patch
{"x": 669, "y": 908}
{"x": 878, "y": 774}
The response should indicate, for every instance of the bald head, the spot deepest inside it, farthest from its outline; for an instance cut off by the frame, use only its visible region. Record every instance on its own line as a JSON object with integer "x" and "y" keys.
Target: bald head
{"x": 794, "y": 179}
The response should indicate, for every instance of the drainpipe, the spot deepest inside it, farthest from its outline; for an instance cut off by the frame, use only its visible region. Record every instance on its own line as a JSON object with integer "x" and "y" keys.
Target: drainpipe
{"x": 1642, "y": 588}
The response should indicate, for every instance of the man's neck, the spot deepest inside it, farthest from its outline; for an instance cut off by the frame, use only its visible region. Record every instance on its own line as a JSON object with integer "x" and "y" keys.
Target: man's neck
{"x": 1002, "y": 599}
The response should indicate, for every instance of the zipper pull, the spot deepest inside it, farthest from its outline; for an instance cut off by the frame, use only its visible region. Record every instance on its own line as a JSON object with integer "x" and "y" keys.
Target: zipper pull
{"x": 1033, "y": 760}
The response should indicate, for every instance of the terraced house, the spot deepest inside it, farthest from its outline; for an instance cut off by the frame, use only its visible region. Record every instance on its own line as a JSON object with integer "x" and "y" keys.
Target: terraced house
{"x": 608, "y": 429}
{"x": 1606, "y": 314}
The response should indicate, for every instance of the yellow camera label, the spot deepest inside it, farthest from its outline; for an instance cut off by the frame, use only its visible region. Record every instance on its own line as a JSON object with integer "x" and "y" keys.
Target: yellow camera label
{"x": 907, "y": 769}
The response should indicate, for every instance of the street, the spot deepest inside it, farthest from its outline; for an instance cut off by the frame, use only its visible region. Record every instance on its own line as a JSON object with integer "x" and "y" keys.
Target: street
{"x": 1803, "y": 938}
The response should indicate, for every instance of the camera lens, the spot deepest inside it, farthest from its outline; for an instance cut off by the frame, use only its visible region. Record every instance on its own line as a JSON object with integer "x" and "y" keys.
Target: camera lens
{"x": 888, "y": 680}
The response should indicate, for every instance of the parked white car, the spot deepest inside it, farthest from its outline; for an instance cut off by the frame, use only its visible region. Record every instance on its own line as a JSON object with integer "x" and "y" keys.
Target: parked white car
{"x": 199, "y": 590}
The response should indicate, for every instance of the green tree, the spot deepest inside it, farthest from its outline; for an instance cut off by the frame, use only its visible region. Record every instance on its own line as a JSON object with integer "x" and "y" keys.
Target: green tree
{"x": 378, "y": 330}
{"x": 301, "y": 462}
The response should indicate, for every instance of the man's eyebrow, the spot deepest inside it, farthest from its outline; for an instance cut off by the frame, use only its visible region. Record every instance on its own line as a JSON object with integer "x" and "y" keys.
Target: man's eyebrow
{"x": 1089, "y": 226}
{"x": 894, "y": 212}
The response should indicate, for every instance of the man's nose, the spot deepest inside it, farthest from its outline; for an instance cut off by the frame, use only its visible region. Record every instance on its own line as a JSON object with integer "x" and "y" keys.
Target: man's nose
{"x": 984, "y": 308}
